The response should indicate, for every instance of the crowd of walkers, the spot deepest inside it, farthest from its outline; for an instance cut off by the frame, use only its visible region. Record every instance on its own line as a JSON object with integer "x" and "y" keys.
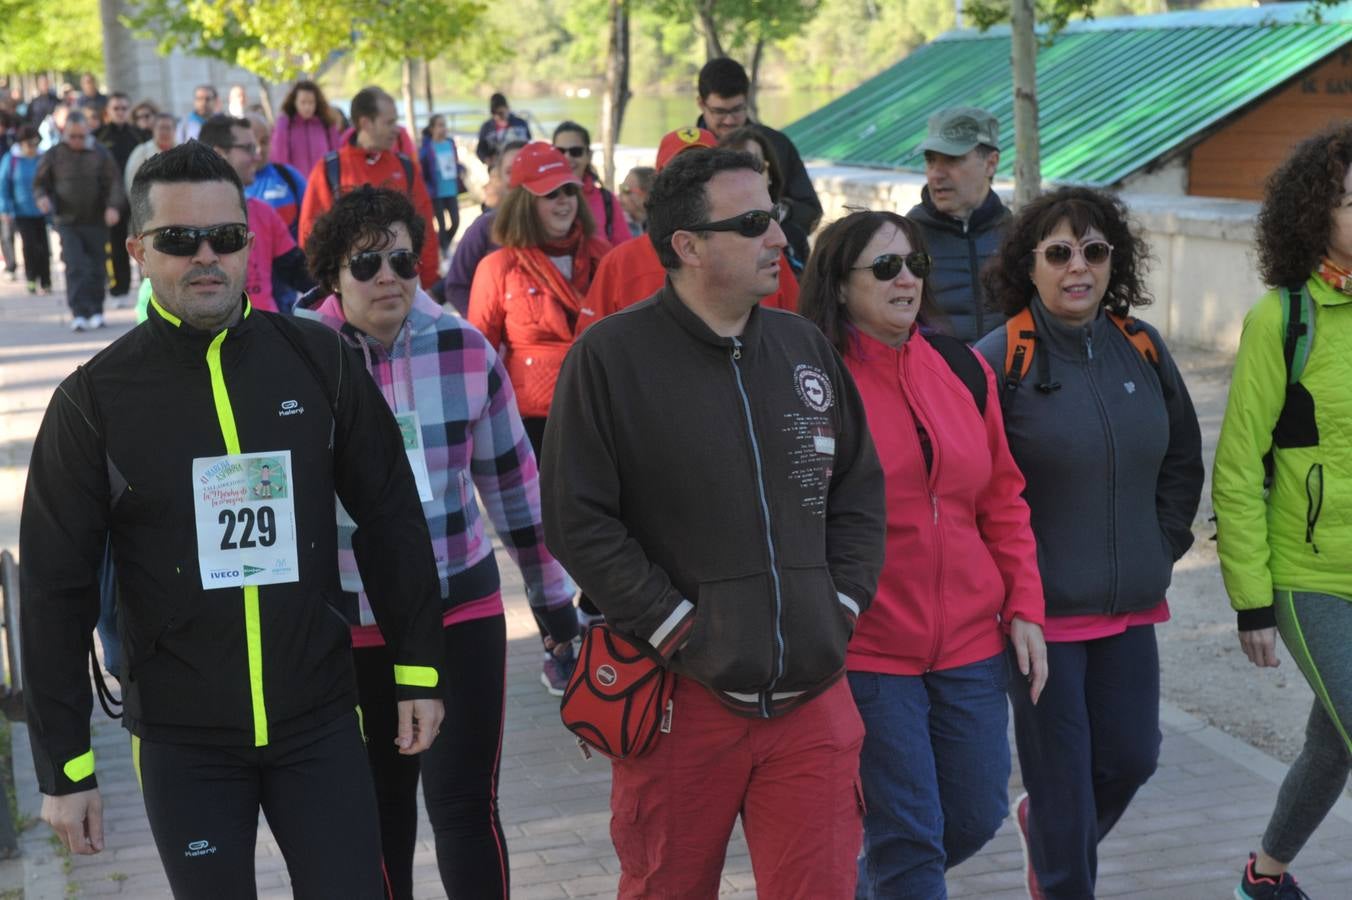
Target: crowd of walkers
{"x": 861, "y": 489}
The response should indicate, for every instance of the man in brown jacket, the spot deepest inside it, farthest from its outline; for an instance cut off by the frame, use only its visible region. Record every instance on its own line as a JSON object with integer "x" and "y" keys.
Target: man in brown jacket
{"x": 79, "y": 186}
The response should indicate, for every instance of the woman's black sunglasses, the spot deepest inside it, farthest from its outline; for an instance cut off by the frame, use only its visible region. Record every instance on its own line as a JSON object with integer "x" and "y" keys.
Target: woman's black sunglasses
{"x": 366, "y": 265}
{"x": 568, "y": 190}
{"x": 577, "y": 152}
{"x": 749, "y": 224}
{"x": 888, "y": 266}
{"x": 183, "y": 240}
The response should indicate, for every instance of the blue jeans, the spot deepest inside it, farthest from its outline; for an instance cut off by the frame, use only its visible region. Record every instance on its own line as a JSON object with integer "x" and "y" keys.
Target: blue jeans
{"x": 1086, "y": 748}
{"x": 935, "y": 769}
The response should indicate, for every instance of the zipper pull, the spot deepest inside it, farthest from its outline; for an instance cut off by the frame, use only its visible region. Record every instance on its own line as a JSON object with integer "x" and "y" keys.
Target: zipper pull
{"x": 934, "y": 502}
{"x": 736, "y": 349}
{"x": 1088, "y": 346}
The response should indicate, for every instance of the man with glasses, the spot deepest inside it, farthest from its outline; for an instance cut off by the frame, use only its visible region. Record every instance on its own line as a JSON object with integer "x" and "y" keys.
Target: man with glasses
{"x": 370, "y": 157}
{"x": 80, "y": 186}
{"x": 240, "y": 690}
{"x": 747, "y": 587}
{"x": 723, "y": 89}
{"x": 962, "y": 218}
{"x": 119, "y": 137}
{"x": 203, "y": 108}
{"x": 498, "y": 130}
{"x": 275, "y": 258}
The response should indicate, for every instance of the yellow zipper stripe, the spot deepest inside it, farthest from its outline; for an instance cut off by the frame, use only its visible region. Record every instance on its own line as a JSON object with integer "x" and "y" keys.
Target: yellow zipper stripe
{"x": 253, "y": 636}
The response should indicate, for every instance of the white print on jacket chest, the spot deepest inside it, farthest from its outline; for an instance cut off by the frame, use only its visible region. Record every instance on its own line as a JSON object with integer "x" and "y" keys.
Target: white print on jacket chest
{"x": 290, "y": 408}
{"x": 1130, "y": 386}
{"x": 814, "y": 387}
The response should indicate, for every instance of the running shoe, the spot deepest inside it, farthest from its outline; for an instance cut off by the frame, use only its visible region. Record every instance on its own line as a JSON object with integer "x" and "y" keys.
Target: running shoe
{"x": 1253, "y": 886}
{"x": 557, "y": 670}
{"x": 1020, "y": 813}
{"x": 79, "y": 323}
{"x": 32, "y": 287}
{"x": 96, "y": 320}
{"x": 11, "y": 275}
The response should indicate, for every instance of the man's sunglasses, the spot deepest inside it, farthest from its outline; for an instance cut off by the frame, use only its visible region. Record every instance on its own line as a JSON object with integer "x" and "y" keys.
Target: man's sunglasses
{"x": 888, "y": 266}
{"x": 366, "y": 265}
{"x": 568, "y": 190}
{"x": 575, "y": 152}
{"x": 1059, "y": 253}
{"x": 751, "y": 224}
{"x": 182, "y": 240}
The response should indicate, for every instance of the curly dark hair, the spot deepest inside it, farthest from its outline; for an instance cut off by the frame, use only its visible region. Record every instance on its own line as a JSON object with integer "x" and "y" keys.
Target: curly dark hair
{"x": 323, "y": 112}
{"x": 821, "y": 299}
{"x": 1008, "y": 276}
{"x": 1296, "y": 219}
{"x": 362, "y": 219}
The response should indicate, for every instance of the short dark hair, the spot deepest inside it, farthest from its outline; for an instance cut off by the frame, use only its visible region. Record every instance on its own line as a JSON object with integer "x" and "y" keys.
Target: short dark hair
{"x": 366, "y": 105}
{"x": 821, "y": 299}
{"x": 723, "y": 76}
{"x": 1008, "y": 275}
{"x": 26, "y": 133}
{"x": 190, "y": 163}
{"x": 119, "y": 95}
{"x": 215, "y": 131}
{"x": 361, "y": 219}
{"x": 679, "y": 198}
{"x": 205, "y": 87}
{"x": 1296, "y": 219}
{"x": 497, "y": 102}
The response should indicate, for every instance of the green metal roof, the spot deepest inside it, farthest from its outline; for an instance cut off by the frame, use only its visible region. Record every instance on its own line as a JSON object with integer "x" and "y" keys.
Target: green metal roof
{"x": 1114, "y": 94}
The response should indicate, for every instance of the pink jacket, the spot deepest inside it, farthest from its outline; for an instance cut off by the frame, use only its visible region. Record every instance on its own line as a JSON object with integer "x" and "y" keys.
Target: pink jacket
{"x": 591, "y": 190}
{"x": 302, "y": 142}
{"x": 961, "y": 560}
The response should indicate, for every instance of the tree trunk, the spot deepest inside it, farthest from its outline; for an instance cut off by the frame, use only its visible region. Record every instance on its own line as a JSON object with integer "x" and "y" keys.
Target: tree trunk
{"x": 1027, "y": 161}
{"x": 617, "y": 87}
{"x": 265, "y": 98}
{"x": 756, "y": 56}
{"x": 427, "y": 86}
{"x": 410, "y": 118}
{"x": 713, "y": 47}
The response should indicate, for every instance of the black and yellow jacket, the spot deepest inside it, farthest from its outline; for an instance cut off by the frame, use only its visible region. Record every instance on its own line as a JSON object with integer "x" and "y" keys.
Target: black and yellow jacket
{"x": 230, "y": 666}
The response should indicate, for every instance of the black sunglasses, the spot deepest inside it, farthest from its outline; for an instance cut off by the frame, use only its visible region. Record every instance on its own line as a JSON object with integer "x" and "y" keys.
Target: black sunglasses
{"x": 183, "y": 240}
{"x": 568, "y": 190}
{"x": 749, "y": 224}
{"x": 576, "y": 152}
{"x": 888, "y": 266}
{"x": 366, "y": 265}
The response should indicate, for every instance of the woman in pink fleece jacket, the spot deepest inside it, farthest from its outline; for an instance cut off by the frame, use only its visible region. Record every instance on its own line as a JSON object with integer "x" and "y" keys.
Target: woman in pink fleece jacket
{"x": 927, "y": 663}
{"x": 306, "y": 130}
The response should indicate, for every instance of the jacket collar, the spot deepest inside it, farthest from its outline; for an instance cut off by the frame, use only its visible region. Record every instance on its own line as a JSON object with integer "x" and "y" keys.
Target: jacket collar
{"x": 693, "y": 325}
{"x": 194, "y": 340}
{"x": 991, "y": 210}
{"x": 1068, "y": 340}
{"x": 1322, "y": 293}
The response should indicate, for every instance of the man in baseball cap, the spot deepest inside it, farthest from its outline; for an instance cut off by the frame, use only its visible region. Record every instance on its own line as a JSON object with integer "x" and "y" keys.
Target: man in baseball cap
{"x": 961, "y": 217}
{"x": 631, "y": 272}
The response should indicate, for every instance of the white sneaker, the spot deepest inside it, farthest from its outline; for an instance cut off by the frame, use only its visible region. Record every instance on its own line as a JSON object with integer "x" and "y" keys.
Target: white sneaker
{"x": 79, "y": 323}
{"x": 96, "y": 320}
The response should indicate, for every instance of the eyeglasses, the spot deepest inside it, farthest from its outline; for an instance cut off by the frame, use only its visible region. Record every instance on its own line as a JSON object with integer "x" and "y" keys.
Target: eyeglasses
{"x": 568, "y": 190}
{"x": 751, "y": 224}
{"x": 183, "y": 240}
{"x": 251, "y": 149}
{"x": 1060, "y": 253}
{"x": 574, "y": 152}
{"x": 366, "y": 265}
{"x": 888, "y": 266}
{"x": 720, "y": 112}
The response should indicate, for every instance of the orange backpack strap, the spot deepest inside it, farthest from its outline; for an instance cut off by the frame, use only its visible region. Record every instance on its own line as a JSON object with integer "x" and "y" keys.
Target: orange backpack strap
{"x": 1138, "y": 337}
{"x": 1020, "y": 343}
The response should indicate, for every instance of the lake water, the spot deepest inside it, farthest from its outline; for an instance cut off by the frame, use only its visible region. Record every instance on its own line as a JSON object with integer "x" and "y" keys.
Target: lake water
{"x": 646, "y": 118}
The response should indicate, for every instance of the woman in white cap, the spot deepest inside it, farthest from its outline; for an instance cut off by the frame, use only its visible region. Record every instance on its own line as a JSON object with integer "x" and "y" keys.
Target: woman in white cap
{"x": 526, "y": 297}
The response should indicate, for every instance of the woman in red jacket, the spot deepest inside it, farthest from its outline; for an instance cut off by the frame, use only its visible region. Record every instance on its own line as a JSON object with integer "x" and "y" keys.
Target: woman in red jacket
{"x": 927, "y": 661}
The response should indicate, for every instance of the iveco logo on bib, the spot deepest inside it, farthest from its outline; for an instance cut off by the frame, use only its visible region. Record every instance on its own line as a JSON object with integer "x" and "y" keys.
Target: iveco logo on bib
{"x": 224, "y": 574}
{"x": 290, "y": 408}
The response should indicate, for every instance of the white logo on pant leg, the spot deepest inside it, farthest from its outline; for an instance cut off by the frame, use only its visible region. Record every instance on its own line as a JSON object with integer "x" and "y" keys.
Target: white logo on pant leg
{"x": 200, "y": 848}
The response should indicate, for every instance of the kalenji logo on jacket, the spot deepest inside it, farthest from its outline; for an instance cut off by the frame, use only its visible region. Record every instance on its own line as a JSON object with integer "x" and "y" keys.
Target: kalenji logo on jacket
{"x": 813, "y": 388}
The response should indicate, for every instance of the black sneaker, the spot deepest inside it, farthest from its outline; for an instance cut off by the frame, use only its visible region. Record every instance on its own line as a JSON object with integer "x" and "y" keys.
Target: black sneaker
{"x": 1253, "y": 886}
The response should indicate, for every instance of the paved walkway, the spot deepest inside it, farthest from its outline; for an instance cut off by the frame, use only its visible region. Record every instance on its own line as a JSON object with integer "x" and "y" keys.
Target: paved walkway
{"x": 1184, "y": 837}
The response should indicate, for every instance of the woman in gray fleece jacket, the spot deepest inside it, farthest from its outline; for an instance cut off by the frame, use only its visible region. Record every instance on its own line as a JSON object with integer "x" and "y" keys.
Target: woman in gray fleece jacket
{"x": 1100, "y": 422}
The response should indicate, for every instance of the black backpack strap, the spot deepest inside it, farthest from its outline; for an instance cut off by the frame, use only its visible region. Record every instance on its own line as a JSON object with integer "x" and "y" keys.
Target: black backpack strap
{"x": 333, "y": 173}
{"x": 408, "y": 171}
{"x": 284, "y": 171}
{"x": 608, "y": 201}
{"x": 964, "y": 364}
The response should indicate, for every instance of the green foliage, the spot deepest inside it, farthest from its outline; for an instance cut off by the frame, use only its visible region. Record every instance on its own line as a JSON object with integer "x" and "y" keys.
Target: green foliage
{"x": 42, "y": 36}
{"x": 281, "y": 39}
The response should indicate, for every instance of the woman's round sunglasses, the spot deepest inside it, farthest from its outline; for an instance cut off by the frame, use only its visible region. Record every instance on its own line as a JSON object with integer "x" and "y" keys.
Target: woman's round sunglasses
{"x": 366, "y": 265}
{"x": 1060, "y": 253}
{"x": 888, "y": 266}
{"x": 183, "y": 240}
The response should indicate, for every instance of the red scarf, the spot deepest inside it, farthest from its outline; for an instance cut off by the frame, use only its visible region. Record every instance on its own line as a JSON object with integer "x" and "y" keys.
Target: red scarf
{"x": 1335, "y": 276}
{"x": 585, "y": 253}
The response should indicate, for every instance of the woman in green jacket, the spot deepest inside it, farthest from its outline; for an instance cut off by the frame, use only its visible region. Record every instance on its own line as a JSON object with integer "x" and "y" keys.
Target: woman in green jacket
{"x": 1286, "y": 546}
